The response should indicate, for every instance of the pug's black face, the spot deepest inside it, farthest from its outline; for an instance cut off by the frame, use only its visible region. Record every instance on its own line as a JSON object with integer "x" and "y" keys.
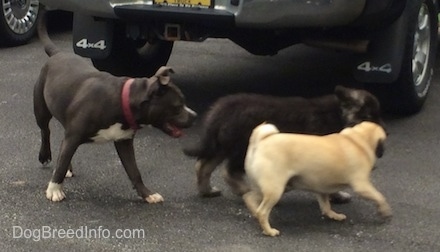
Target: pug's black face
{"x": 380, "y": 149}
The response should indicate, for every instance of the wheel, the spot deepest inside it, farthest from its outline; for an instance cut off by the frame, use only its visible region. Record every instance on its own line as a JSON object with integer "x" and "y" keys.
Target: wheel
{"x": 134, "y": 58}
{"x": 408, "y": 94}
{"x": 18, "y": 20}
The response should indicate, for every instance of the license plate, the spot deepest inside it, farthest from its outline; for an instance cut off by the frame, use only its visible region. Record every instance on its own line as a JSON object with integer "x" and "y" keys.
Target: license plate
{"x": 185, "y": 3}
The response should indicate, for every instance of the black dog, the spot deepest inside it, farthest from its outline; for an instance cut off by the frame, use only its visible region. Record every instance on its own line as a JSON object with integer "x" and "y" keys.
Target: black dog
{"x": 230, "y": 121}
{"x": 95, "y": 106}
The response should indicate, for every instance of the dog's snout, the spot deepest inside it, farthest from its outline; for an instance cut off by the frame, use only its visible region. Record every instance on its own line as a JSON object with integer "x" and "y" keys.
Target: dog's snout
{"x": 192, "y": 115}
{"x": 186, "y": 118}
{"x": 191, "y": 112}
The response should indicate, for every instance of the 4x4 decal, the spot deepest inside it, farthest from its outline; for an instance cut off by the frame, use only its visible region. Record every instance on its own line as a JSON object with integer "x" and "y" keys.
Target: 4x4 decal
{"x": 367, "y": 67}
{"x": 83, "y": 43}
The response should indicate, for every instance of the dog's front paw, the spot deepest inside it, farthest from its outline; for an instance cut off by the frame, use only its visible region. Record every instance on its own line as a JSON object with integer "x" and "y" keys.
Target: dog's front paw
{"x": 271, "y": 232}
{"x": 69, "y": 174}
{"x": 385, "y": 211}
{"x": 340, "y": 197}
{"x": 210, "y": 193}
{"x": 54, "y": 192}
{"x": 154, "y": 198}
{"x": 336, "y": 216}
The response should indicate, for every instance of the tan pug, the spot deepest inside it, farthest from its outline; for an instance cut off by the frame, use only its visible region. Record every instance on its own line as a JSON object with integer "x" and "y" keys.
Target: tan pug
{"x": 277, "y": 162}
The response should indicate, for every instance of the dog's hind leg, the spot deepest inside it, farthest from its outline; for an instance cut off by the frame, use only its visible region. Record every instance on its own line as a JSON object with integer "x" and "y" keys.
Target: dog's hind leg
{"x": 367, "y": 191}
{"x": 235, "y": 176}
{"x": 54, "y": 190}
{"x": 326, "y": 210}
{"x": 252, "y": 199}
{"x": 204, "y": 170}
{"x": 43, "y": 117}
{"x": 271, "y": 194}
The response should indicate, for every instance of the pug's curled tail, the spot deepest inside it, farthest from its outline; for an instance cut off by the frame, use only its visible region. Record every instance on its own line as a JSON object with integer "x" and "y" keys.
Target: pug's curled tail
{"x": 261, "y": 132}
{"x": 49, "y": 47}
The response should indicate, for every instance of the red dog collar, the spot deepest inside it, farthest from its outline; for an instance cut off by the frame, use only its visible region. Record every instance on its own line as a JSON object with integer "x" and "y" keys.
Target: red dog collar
{"x": 125, "y": 98}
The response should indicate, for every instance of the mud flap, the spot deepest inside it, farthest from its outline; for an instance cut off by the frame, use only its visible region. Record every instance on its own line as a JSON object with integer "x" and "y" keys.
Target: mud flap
{"x": 382, "y": 63}
{"x": 92, "y": 38}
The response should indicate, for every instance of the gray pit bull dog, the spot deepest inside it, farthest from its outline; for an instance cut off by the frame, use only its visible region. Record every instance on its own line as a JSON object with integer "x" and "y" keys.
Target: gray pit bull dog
{"x": 95, "y": 106}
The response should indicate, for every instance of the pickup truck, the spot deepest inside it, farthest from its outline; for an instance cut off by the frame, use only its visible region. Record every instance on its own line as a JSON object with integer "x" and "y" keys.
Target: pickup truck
{"x": 395, "y": 41}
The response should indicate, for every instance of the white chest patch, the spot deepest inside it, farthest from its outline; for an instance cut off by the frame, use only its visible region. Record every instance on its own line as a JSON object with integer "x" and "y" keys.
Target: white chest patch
{"x": 113, "y": 133}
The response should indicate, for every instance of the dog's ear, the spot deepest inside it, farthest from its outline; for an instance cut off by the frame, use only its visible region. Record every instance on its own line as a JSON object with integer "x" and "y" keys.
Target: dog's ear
{"x": 163, "y": 74}
{"x": 158, "y": 83}
{"x": 155, "y": 88}
{"x": 346, "y": 97}
{"x": 380, "y": 148}
{"x": 342, "y": 92}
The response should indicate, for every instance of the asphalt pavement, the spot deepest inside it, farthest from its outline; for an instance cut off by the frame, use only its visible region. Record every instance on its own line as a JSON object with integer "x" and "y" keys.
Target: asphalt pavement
{"x": 103, "y": 213}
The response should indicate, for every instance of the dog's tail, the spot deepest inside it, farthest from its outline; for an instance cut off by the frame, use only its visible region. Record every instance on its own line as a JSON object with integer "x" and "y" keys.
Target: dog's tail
{"x": 49, "y": 46}
{"x": 261, "y": 132}
{"x": 204, "y": 148}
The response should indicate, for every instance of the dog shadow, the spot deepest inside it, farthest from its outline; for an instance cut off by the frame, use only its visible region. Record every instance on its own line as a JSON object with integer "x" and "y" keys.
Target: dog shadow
{"x": 298, "y": 212}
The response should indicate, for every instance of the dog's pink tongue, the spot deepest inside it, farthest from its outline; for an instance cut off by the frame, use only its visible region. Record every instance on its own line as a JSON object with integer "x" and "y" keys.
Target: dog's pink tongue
{"x": 174, "y": 131}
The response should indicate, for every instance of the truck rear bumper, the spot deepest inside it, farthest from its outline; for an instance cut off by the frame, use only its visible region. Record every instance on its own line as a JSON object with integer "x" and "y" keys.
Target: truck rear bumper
{"x": 261, "y": 14}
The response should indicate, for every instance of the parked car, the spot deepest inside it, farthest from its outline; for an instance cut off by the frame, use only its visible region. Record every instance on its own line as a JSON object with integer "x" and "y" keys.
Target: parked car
{"x": 395, "y": 40}
{"x": 17, "y": 21}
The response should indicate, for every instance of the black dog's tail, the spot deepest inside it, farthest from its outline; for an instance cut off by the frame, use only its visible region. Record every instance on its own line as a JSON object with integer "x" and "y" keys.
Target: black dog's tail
{"x": 49, "y": 46}
{"x": 205, "y": 148}
{"x": 194, "y": 150}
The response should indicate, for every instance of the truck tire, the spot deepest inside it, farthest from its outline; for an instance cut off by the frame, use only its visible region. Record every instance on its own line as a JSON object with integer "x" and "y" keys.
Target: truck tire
{"x": 407, "y": 95}
{"x": 134, "y": 58}
{"x": 17, "y": 21}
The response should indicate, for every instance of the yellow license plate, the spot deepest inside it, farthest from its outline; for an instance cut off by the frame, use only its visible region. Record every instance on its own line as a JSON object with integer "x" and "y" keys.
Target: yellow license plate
{"x": 185, "y": 3}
